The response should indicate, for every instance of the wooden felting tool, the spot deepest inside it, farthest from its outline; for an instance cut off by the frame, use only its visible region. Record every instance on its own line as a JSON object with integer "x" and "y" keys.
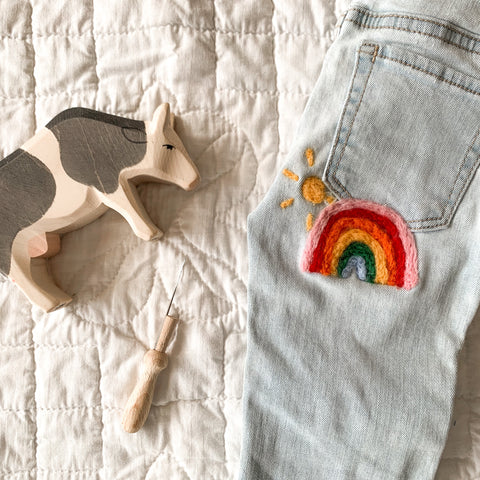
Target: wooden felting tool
{"x": 68, "y": 174}
{"x": 154, "y": 361}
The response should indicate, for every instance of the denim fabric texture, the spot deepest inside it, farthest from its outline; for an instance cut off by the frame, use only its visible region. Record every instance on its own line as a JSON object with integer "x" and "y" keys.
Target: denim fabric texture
{"x": 346, "y": 379}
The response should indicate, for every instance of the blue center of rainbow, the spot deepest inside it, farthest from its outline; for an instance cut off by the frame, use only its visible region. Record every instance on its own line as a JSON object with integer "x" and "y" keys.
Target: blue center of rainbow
{"x": 360, "y": 257}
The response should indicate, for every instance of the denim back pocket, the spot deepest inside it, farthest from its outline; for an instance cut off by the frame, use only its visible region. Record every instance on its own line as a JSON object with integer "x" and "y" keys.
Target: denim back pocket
{"x": 408, "y": 136}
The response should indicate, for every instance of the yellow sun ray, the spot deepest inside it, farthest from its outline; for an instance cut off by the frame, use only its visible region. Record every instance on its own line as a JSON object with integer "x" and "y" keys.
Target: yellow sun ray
{"x": 286, "y": 203}
{"x": 309, "y": 222}
{"x": 289, "y": 174}
{"x": 310, "y": 158}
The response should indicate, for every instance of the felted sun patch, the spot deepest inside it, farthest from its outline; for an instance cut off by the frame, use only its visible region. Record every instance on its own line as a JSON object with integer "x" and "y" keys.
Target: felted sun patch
{"x": 362, "y": 236}
{"x": 313, "y": 189}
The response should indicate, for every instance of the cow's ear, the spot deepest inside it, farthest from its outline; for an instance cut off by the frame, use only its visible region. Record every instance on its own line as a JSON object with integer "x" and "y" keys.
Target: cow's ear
{"x": 161, "y": 117}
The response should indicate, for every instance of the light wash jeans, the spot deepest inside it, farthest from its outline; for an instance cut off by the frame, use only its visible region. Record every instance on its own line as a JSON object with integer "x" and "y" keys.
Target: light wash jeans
{"x": 347, "y": 379}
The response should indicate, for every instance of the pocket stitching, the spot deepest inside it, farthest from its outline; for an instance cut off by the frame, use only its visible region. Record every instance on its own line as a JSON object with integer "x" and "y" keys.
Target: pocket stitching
{"x": 474, "y": 92}
{"x": 411, "y": 30}
{"x": 365, "y": 12}
{"x": 464, "y": 187}
{"x": 374, "y": 55}
{"x": 411, "y": 17}
{"x": 419, "y": 32}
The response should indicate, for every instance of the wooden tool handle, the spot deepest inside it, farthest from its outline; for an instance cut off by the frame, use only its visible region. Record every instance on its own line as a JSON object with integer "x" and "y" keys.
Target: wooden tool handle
{"x": 167, "y": 329}
{"x": 138, "y": 405}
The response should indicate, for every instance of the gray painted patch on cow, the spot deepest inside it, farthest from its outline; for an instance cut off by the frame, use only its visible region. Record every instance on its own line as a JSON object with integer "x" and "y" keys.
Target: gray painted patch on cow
{"x": 80, "y": 112}
{"x": 95, "y": 146}
{"x": 27, "y": 190}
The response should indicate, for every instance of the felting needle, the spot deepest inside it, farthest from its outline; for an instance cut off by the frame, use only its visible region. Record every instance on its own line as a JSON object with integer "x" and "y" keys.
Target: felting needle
{"x": 154, "y": 361}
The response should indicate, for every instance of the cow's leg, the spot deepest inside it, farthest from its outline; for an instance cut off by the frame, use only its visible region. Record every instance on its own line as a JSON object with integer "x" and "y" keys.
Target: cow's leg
{"x": 126, "y": 202}
{"x": 33, "y": 279}
{"x": 45, "y": 245}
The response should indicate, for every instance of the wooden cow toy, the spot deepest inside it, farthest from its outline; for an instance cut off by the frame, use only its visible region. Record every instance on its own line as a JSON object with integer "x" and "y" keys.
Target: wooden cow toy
{"x": 68, "y": 174}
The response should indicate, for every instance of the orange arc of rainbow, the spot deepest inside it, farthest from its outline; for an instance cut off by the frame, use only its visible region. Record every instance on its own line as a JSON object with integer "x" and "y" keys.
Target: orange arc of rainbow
{"x": 347, "y": 223}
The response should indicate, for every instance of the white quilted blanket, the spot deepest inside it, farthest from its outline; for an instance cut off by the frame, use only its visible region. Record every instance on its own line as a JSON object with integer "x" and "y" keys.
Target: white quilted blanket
{"x": 237, "y": 76}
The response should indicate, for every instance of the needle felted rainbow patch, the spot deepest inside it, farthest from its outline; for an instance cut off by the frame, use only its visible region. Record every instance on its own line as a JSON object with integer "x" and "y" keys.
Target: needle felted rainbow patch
{"x": 362, "y": 236}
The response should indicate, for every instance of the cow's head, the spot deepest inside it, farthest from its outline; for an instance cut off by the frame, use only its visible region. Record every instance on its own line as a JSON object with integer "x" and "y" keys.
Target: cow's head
{"x": 166, "y": 152}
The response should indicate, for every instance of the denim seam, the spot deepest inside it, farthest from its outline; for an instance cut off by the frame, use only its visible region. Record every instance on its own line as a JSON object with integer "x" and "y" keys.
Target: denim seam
{"x": 333, "y": 173}
{"x": 445, "y": 216}
{"x": 458, "y": 175}
{"x": 420, "y": 19}
{"x": 337, "y": 137}
{"x": 469, "y": 90}
{"x": 403, "y": 29}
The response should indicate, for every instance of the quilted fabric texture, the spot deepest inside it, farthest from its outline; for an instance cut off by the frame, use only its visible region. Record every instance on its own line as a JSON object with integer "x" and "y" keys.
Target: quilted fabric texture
{"x": 237, "y": 76}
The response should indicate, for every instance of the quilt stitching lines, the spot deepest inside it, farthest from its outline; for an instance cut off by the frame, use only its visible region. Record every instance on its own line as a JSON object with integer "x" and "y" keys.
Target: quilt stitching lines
{"x": 88, "y": 88}
{"x": 202, "y": 278}
{"x": 102, "y": 430}
{"x": 34, "y": 81}
{"x": 222, "y": 394}
{"x": 176, "y": 25}
{"x": 216, "y": 258}
{"x": 155, "y": 280}
{"x": 127, "y": 252}
{"x": 273, "y": 93}
{"x": 214, "y": 40}
{"x": 95, "y": 61}
{"x": 245, "y": 195}
{"x": 277, "y": 103}
{"x": 35, "y": 405}
{"x": 104, "y": 326}
{"x": 171, "y": 25}
{"x": 240, "y": 228}
{"x": 53, "y": 409}
{"x": 14, "y": 473}
{"x": 189, "y": 400}
{"x": 171, "y": 456}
